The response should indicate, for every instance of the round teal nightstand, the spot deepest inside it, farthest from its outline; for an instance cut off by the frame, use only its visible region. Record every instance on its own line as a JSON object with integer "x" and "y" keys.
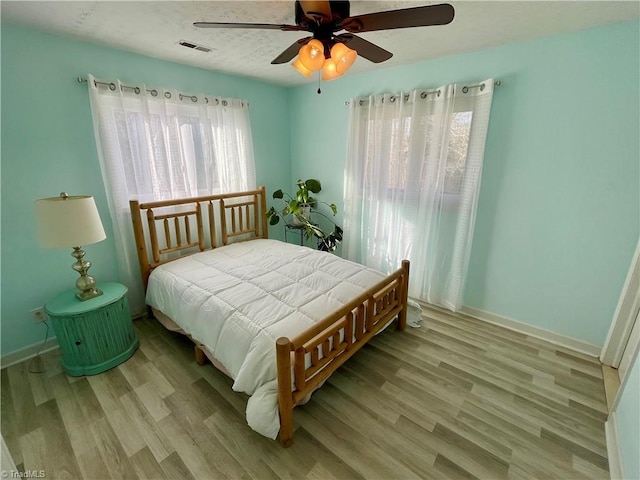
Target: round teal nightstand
{"x": 94, "y": 335}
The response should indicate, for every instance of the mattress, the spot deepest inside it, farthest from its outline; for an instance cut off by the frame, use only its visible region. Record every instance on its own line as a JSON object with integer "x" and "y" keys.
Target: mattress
{"x": 237, "y": 300}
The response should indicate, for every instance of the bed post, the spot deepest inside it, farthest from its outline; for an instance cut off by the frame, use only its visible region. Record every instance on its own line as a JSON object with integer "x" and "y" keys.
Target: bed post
{"x": 285, "y": 394}
{"x": 402, "y": 316}
{"x": 201, "y": 358}
{"x": 143, "y": 257}
{"x": 263, "y": 216}
{"x": 223, "y": 221}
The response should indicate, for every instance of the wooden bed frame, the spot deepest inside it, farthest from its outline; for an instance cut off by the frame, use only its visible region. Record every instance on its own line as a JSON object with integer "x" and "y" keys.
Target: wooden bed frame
{"x": 310, "y": 358}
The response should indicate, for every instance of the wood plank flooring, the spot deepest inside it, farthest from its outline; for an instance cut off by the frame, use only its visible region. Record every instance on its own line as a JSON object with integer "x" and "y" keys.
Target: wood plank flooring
{"x": 456, "y": 398}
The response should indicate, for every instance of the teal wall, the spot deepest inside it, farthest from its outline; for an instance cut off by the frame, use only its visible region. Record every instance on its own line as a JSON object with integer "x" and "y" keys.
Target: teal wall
{"x": 48, "y": 146}
{"x": 628, "y": 423}
{"x": 559, "y": 208}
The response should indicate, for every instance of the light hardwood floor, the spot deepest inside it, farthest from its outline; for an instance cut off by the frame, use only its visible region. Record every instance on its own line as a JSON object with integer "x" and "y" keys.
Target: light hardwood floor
{"x": 456, "y": 398}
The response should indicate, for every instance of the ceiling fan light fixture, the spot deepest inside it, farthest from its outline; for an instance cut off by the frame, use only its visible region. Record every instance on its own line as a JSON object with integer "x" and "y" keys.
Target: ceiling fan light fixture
{"x": 343, "y": 56}
{"x": 297, "y": 64}
{"x": 311, "y": 55}
{"x": 329, "y": 70}
{"x": 315, "y": 8}
{"x": 328, "y": 51}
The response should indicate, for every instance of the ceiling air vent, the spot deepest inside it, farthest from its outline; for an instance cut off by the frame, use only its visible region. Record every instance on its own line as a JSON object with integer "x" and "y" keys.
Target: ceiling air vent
{"x": 195, "y": 46}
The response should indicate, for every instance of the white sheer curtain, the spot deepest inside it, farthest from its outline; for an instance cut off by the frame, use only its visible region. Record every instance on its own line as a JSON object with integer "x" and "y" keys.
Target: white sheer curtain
{"x": 156, "y": 144}
{"x": 414, "y": 163}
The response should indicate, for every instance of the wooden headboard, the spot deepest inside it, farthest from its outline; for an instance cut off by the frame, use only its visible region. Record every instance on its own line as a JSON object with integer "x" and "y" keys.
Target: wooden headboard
{"x": 169, "y": 229}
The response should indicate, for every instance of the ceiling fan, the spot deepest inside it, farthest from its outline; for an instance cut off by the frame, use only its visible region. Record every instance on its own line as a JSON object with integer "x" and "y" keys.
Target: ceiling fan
{"x": 325, "y": 48}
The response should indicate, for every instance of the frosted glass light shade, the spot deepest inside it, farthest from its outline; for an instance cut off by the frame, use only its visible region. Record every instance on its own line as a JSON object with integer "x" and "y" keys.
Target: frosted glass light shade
{"x": 70, "y": 221}
{"x": 343, "y": 57}
{"x": 311, "y": 55}
{"x": 329, "y": 71}
{"x": 301, "y": 68}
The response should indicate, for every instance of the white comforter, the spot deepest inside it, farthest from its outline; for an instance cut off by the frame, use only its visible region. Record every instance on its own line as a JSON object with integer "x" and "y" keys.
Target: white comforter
{"x": 239, "y": 299}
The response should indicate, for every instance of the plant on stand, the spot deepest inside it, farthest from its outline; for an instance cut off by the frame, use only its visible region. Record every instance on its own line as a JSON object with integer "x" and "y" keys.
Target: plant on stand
{"x": 301, "y": 207}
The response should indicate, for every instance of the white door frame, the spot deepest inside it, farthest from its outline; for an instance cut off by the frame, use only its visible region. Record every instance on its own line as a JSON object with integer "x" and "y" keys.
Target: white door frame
{"x": 619, "y": 341}
{"x": 624, "y": 317}
{"x": 626, "y": 362}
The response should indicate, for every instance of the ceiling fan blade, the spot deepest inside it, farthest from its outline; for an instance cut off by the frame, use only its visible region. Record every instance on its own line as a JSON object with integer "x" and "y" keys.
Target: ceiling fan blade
{"x": 365, "y": 49}
{"x": 267, "y": 26}
{"x": 291, "y": 51}
{"x": 404, "y": 18}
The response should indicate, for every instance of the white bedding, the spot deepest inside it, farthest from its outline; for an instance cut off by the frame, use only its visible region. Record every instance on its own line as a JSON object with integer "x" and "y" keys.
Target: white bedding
{"x": 237, "y": 300}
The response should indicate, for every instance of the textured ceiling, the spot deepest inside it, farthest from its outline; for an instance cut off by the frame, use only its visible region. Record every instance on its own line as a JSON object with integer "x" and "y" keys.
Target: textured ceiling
{"x": 155, "y": 28}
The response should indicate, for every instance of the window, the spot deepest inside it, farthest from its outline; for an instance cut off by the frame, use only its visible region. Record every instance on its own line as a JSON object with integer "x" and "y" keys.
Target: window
{"x": 457, "y": 154}
{"x": 179, "y": 152}
{"x": 412, "y": 180}
{"x": 397, "y": 132}
{"x": 157, "y": 145}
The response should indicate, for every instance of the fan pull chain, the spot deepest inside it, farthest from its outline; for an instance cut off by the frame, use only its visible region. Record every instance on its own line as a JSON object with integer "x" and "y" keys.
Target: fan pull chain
{"x": 319, "y": 76}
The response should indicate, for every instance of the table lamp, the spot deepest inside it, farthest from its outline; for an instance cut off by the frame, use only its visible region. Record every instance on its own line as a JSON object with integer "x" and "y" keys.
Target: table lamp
{"x": 68, "y": 222}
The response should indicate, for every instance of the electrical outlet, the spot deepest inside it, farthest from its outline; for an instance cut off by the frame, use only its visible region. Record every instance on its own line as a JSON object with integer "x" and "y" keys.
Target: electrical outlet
{"x": 38, "y": 315}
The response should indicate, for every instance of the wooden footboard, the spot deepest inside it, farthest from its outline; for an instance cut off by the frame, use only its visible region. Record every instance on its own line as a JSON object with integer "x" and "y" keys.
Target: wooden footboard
{"x": 311, "y": 357}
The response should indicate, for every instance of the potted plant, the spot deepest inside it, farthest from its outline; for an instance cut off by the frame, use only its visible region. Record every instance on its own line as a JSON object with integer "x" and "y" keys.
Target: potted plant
{"x": 301, "y": 206}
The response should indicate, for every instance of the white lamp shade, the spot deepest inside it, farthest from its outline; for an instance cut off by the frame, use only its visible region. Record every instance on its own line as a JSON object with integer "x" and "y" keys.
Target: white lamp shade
{"x": 68, "y": 222}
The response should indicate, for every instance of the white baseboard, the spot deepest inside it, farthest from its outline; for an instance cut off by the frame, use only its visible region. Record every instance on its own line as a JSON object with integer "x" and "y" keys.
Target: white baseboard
{"x": 613, "y": 451}
{"x": 537, "y": 332}
{"x": 26, "y": 353}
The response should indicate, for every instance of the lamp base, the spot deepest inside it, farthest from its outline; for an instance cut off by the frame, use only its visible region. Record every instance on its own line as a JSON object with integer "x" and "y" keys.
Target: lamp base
{"x": 85, "y": 284}
{"x": 88, "y": 294}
